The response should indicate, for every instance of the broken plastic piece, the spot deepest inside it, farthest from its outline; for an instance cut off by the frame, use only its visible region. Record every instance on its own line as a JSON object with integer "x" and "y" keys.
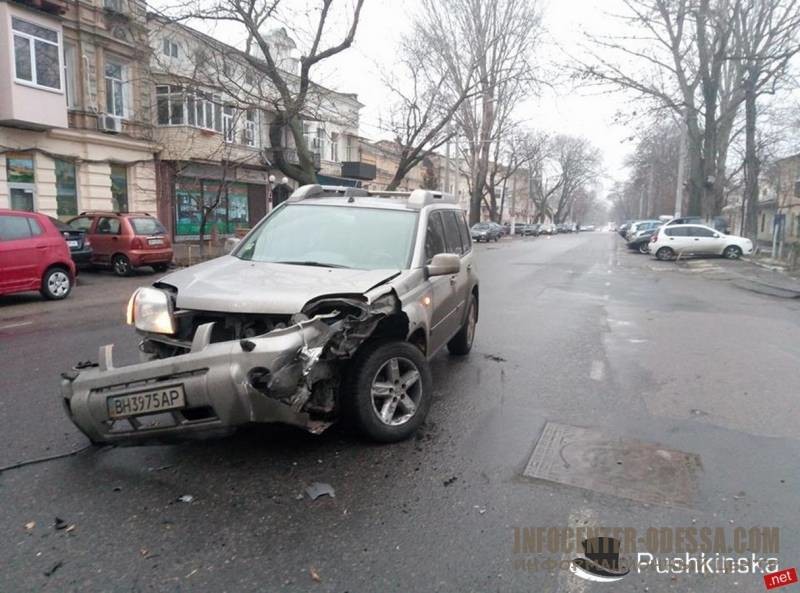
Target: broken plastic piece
{"x": 318, "y": 489}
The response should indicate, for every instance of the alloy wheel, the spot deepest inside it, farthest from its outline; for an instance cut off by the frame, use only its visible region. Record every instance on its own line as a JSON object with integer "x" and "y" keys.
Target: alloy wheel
{"x": 396, "y": 389}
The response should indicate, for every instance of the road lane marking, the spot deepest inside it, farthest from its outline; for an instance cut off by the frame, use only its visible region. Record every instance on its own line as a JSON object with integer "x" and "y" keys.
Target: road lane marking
{"x": 598, "y": 371}
{"x": 566, "y": 581}
{"x": 17, "y": 324}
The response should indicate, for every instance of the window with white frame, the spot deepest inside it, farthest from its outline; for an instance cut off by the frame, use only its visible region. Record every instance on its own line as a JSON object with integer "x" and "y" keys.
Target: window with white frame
{"x": 37, "y": 54}
{"x": 116, "y": 103}
{"x": 169, "y": 48}
{"x": 229, "y": 123}
{"x": 335, "y": 147}
{"x": 321, "y": 142}
{"x": 251, "y": 136}
{"x": 71, "y": 74}
{"x": 177, "y": 106}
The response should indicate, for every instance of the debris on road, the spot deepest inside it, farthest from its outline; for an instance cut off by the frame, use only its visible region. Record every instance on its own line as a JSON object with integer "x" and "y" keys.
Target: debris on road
{"x": 318, "y": 489}
{"x": 494, "y": 358}
{"x": 187, "y": 498}
{"x": 60, "y": 524}
{"x": 53, "y": 568}
{"x": 314, "y": 574}
{"x": 449, "y": 481}
{"x": 30, "y": 525}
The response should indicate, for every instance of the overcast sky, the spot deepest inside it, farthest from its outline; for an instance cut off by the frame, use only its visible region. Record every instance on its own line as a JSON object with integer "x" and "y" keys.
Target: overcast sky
{"x": 558, "y": 110}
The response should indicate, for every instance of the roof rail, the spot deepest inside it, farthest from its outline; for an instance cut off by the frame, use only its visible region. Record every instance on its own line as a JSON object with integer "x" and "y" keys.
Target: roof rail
{"x": 117, "y": 213}
{"x": 417, "y": 197}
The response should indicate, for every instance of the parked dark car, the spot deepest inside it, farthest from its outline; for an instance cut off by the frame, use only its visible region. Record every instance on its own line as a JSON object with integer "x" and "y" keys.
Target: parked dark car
{"x": 535, "y": 229}
{"x": 80, "y": 248}
{"x": 623, "y": 228}
{"x": 126, "y": 240}
{"x": 640, "y": 242}
{"x": 484, "y": 231}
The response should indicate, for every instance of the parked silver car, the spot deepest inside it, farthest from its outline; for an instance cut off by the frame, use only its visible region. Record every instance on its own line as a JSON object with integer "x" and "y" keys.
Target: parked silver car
{"x": 332, "y": 305}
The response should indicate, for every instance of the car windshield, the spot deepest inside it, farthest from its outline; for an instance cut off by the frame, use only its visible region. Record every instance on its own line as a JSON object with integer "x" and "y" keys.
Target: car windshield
{"x": 147, "y": 226}
{"x": 333, "y": 236}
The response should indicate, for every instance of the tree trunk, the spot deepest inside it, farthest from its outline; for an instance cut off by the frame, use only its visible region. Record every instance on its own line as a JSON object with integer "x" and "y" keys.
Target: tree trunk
{"x": 751, "y": 163}
{"x": 304, "y": 172}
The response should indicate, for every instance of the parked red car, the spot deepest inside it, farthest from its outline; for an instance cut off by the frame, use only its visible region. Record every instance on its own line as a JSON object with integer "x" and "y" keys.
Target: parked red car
{"x": 34, "y": 256}
{"x": 125, "y": 240}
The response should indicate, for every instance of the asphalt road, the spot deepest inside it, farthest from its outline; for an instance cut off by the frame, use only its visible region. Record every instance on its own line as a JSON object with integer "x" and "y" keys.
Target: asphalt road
{"x": 658, "y": 359}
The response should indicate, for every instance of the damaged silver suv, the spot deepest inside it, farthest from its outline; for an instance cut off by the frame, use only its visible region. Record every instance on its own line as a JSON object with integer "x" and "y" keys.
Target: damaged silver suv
{"x": 330, "y": 307}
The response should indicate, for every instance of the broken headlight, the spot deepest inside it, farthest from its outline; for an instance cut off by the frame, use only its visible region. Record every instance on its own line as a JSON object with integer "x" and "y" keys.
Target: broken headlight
{"x": 150, "y": 310}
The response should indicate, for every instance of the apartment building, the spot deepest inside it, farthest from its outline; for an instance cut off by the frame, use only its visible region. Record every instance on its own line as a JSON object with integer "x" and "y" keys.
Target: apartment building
{"x": 212, "y": 122}
{"x": 75, "y": 131}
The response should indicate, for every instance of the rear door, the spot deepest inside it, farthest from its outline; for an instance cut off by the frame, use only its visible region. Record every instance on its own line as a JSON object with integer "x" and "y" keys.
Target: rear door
{"x": 453, "y": 223}
{"x": 677, "y": 238}
{"x": 18, "y": 254}
{"x": 704, "y": 241}
{"x": 105, "y": 239}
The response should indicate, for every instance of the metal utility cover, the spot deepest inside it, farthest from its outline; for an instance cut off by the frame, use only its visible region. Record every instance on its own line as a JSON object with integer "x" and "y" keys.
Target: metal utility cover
{"x": 627, "y": 468}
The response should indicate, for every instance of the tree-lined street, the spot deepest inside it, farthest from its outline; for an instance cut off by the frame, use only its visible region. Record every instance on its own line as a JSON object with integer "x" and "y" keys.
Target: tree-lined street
{"x": 573, "y": 330}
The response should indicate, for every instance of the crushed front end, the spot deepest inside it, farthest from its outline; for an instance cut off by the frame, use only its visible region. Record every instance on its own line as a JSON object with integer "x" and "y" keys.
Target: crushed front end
{"x": 216, "y": 372}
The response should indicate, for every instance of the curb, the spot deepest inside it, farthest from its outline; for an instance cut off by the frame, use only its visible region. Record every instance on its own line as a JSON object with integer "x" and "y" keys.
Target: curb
{"x": 770, "y": 267}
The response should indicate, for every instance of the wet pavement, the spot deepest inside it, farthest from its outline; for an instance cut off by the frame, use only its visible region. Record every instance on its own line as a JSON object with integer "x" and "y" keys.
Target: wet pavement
{"x": 656, "y": 368}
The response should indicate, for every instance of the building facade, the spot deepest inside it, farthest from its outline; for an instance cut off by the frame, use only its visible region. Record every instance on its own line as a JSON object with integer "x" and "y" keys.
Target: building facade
{"x": 75, "y": 131}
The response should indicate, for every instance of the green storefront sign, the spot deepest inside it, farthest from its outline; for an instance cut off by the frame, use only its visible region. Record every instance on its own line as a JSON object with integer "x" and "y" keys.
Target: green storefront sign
{"x": 228, "y": 203}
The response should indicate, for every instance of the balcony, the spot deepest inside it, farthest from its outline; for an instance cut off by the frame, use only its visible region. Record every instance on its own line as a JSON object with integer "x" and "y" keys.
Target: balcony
{"x": 294, "y": 159}
{"x": 52, "y": 6}
{"x": 359, "y": 170}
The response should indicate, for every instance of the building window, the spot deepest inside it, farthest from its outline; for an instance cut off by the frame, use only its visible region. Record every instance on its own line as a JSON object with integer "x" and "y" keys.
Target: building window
{"x": 71, "y": 74}
{"x": 319, "y": 144}
{"x": 170, "y": 48}
{"x": 251, "y": 128}
{"x": 119, "y": 188}
{"x": 335, "y": 147}
{"x": 227, "y": 202}
{"x": 36, "y": 54}
{"x": 19, "y": 172}
{"x": 177, "y": 106}
{"x": 115, "y": 89}
{"x": 66, "y": 189}
{"x": 228, "y": 124}
{"x": 349, "y": 149}
{"x": 763, "y": 221}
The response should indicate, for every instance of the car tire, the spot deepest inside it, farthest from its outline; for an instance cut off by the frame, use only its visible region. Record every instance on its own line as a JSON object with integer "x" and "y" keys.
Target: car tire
{"x": 644, "y": 248}
{"x": 375, "y": 396}
{"x": 461, "y": 343}
{"x": 732, "y": 252}
{"x": 56, "y": 284}
{"x": 160, "y": 267}
{"x": 121, "y": 265}
{"x": 665, "y": 254}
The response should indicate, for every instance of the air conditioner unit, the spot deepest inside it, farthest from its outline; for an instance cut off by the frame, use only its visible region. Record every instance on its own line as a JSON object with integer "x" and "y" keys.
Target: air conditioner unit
{"x": 110, "y": 124}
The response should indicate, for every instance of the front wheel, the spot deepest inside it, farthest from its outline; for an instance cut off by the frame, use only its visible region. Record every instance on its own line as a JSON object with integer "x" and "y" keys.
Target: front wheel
{"x": 56, "y": 284}
{"x": 461, "y": 343}
{"x": 665, "y": 254}
{"x": 121, "y": 265}
{"x": 389, "y": 391}
{"x": 732, "y": 252}
{"x": 644, "y": 248}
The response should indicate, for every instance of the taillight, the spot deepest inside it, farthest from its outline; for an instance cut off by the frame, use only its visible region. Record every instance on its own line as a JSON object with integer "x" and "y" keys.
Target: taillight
{"x": 654, "y": 238}
{"x": 137, "y": 243}
{"x": 87, "y": 243}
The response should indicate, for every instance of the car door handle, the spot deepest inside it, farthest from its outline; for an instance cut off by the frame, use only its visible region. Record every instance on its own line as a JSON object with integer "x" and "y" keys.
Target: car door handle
{"x": 452, "y": 280}
{"x": 469, "y": 267}
{"x": 696, "y": 238}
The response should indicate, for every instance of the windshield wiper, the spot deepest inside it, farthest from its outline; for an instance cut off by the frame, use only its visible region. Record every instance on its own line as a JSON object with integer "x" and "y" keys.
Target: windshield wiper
{"x": 317, "y": 264}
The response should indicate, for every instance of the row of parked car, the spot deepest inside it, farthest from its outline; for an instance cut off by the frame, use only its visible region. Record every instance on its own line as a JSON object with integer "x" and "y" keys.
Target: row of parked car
{"x": 677, "y": 237}
{"x": 492, "y": 231}
{"x": 42, "y": 253}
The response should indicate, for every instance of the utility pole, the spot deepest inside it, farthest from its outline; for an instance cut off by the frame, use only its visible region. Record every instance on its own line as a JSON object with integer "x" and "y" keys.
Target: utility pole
{"x": 447, "y": 167}
{"x": 513, "y": 202}
{"x": 682, "y": 153}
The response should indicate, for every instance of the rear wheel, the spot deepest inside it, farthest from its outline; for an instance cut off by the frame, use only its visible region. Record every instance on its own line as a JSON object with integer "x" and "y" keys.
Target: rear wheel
{"x": 665, "y": 254}
{"x": 56, "y": 284}
{"x": 461, "y": 343}
{"x": 121, "y": 265}
{"x": 732, "y": 252}
{"x": 389, "y": 391}
{"x": 644, "y": 247}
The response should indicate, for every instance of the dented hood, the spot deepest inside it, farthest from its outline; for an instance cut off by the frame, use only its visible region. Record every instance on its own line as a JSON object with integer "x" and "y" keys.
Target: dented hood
{"x": 229, "y": 284}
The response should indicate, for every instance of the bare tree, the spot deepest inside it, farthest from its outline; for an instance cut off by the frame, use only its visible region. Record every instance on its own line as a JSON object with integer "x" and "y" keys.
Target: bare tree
{"x": 578, "y": 164}
{"x": 291, "y": 95}
{"x": 515, "y": 150}
{"x": 495, "y": 40}
{"x": 767, "y": 37}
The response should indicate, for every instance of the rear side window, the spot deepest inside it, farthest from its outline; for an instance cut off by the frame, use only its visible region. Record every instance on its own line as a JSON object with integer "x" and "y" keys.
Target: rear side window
{"x": 466, "y": 240}
{"x": 677, "y": 232}
{"x": 698, "y": 231}
{"x": 147, "y": 226}
{"x": 434, "y": 237}
{"x": 83, "y": 223}
{"x": 36, "y": 228}
{"x": 452, "y": 234}
{"x": 13, "y": 228}
{"x": 107, "y": 226}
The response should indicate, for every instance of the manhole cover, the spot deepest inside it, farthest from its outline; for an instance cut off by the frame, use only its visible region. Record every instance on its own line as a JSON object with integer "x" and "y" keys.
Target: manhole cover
{"x": 628, "y": 468}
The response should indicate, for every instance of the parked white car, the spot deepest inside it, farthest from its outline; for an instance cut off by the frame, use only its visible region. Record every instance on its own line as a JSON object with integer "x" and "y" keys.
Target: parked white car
{"x": 640, "y": 226}
{"x": 672, "y": 241}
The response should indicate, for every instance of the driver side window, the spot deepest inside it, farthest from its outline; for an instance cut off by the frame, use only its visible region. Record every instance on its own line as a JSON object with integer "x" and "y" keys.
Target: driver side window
{"x": 434, "y": 237}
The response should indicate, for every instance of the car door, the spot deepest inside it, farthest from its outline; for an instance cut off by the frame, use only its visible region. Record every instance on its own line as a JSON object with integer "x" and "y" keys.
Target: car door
{"x": 105, "y": 239}
{"x": 705, "y": 241}
{"x": 453, "y": 221}
{"x": 677, "y": 238}
{"x": 18, "y": 254}
{"x": 443, "y": 295}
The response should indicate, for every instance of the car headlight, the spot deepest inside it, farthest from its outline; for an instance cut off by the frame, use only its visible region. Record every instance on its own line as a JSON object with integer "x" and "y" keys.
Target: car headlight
{"x": 150, "y": 310}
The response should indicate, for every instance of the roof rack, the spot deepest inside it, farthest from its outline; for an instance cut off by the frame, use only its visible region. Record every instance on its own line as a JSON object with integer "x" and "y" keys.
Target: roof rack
{"x": 417, "y": 198}
{"x": 85, "y": 212}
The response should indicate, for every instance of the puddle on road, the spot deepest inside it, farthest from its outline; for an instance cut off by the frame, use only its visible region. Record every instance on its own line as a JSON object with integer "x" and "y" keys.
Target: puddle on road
{"x": 585, "y": 458}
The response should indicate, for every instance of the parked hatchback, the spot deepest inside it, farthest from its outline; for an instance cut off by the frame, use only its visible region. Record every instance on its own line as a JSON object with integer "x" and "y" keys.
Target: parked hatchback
{"x": 672, "y": 241}
{"x": 34, "y": 256}
{"x": 125, "y": 241}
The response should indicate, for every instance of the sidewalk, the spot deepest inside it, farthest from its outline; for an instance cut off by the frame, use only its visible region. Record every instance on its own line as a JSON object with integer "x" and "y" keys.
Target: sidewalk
{"x": 768, "y": 276}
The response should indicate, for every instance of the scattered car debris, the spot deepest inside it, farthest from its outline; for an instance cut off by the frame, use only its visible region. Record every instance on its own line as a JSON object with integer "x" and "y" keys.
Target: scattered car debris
{"x": 494, "y": 358}
{"x": 318, "y": 489}
{"x": 314, "y": 574}
{"x": 30, "y": 525}
{"x": 51, "y": 571}
{"x": 450, "y": 480}
{"x": 187, "y": 498}
{"x": 60, "y": 524}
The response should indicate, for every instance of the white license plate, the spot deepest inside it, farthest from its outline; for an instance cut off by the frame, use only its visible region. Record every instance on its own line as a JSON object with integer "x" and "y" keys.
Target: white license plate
{"x": 155, "y": 241}
{"x": 146, "y": 402}
{"x": 72, "y": 243}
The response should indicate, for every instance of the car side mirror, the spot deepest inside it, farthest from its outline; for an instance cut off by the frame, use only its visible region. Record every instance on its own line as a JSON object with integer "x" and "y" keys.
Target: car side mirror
{"x": 716, "y": 235}
{"x": 443, "y": 264}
